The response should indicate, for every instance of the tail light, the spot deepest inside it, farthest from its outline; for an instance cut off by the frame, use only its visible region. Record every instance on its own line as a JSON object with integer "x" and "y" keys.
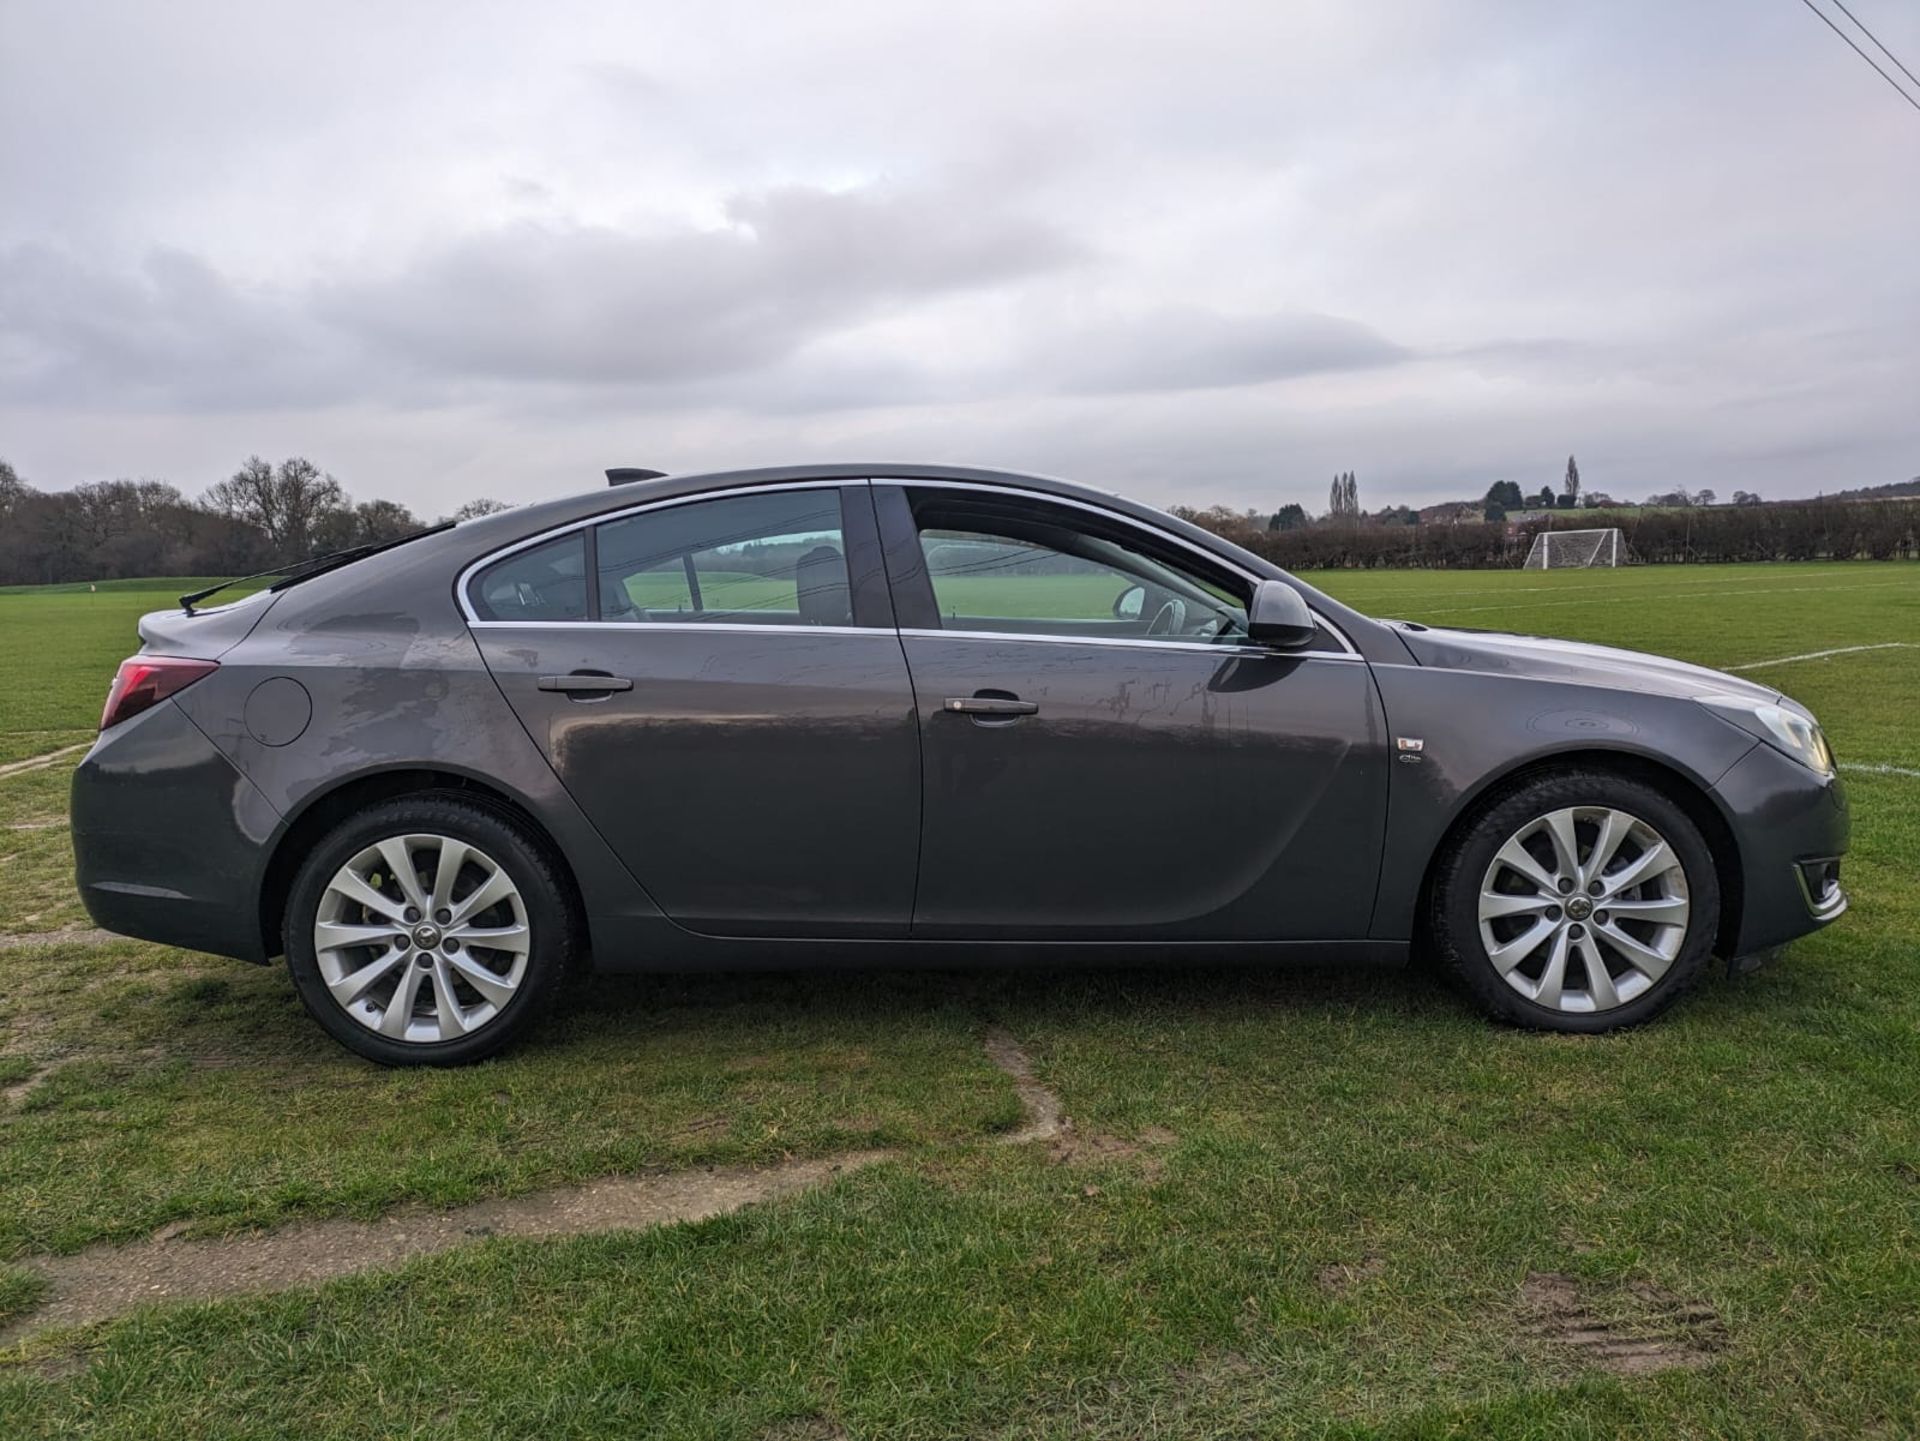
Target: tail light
{"x": 143, "y": 681}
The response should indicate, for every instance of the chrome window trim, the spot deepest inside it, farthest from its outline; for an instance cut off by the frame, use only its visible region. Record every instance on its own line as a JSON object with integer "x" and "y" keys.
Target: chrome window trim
{"x": 1347, "y": 646}
{"x": 687, "y": 627}
{"x": 1224, "y": 648}
{"x": 465, "y": 578}
{"x": 467, "y": 574}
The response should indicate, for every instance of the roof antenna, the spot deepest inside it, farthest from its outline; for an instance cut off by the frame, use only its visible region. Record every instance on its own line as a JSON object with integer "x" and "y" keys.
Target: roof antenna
{"x": 627, "y": 474}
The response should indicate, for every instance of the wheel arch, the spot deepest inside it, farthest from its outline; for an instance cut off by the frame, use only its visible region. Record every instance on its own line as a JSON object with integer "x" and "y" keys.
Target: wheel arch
{"x": 1685, "y": 790}
{"x": 327, "y": 808}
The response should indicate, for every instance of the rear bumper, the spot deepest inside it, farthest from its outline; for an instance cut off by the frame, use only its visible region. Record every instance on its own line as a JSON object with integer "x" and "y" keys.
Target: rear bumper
{"x": 1792, "y": 828}
{"x": 169, "y": 840}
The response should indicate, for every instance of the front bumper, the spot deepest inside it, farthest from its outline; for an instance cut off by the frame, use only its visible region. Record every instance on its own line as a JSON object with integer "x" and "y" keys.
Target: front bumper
{"x": 1792, "y": 828}
{"x": 169, "y": 840}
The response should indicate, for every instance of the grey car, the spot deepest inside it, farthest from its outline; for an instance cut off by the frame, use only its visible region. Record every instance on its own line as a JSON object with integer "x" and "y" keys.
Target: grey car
{"x": 885, "y": 714}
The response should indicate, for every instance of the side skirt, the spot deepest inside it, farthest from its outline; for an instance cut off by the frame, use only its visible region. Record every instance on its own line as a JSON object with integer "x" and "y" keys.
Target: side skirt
{"x": 629, "y": 946}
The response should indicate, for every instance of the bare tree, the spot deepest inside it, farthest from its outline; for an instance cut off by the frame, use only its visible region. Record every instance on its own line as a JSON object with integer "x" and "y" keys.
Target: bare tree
{"x": 288, "y": 504}
{"x": 13, "y": 490}
{"x": 476, "y": 508}
{"x": 1571, "y": 485}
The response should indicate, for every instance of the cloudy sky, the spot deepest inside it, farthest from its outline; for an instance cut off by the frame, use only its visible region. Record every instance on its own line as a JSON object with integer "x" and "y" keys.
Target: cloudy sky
{"x": 1206, "y": 252}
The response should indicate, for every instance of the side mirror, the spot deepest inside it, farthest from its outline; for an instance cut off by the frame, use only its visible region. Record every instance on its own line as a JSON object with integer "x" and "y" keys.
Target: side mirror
{"x": 1279, "y": 618}
{"x": 1129, "y": 603}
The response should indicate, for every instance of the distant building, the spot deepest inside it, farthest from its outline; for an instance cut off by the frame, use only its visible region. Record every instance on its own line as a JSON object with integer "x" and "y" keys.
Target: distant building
{"x": 1453, "y": 512}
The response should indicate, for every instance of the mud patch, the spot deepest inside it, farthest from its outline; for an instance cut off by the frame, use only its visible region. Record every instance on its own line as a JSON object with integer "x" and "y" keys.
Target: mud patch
{"x": 106, "y": 1281}
{"x": 1339, "y": 1276}
{"x": 1631, "y": 1331}
{"x": 12, "y": 1095}
{"x": 1076, "y": 1148}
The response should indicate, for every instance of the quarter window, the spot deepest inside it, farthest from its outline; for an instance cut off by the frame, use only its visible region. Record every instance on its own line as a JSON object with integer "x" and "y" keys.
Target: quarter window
{"x": 543, "y": 582}
{"x": 774, "y": 558}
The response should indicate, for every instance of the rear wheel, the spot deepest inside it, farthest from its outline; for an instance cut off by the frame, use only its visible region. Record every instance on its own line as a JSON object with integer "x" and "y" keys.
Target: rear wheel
{"x": 427, "y": 931}
{"x": 1580, "y": 901}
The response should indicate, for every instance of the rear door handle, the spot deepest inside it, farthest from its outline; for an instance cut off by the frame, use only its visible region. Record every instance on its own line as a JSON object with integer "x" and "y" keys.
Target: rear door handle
{"x": 994, "y": 705}
{"x": 586, "y": 682}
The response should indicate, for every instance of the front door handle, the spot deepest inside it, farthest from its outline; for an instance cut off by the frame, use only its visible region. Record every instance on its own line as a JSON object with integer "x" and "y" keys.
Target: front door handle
{"x": 586, "y": 682}
{"x": 991, "y": 705}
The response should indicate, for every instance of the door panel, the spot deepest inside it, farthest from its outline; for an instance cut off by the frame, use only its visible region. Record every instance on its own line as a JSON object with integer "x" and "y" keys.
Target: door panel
{"x": 1156, "y": 793}
{"x": 756, "y": 782}
{"x": 1079, "y": 783}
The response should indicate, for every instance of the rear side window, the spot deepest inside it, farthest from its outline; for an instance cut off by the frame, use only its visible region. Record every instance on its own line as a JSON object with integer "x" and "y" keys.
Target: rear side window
{"x": 543, "y": 582}
{"x": 774, "y": 558}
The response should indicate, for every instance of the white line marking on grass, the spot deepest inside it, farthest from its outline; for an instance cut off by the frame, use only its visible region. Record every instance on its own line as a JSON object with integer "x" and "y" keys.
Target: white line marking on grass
{"x": 34, "y": 763}
{"x": 1390, "y": 596}
{"x": 1657, "y": 595}
{"x": 1879, "y": 768}
{"x": 1823, "y": 654}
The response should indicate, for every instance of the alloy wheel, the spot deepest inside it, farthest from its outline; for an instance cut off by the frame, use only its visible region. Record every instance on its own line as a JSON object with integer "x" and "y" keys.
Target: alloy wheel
{"x": 422, "y": 938}
{"x": 1583, "y": 909}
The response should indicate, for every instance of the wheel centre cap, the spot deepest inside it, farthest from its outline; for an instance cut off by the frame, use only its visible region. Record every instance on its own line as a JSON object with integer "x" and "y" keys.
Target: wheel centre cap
{"x": 1579, "y": 907}
{"x": 426, "y": 937}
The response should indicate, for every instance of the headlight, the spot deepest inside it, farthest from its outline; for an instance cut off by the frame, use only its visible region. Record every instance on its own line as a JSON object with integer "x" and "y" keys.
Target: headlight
{"x": 1785, "y": 728}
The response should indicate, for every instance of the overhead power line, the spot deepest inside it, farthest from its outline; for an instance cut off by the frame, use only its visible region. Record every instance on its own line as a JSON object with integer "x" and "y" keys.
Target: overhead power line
{"x": 1827, "y": 20}
{"x": 1876, "y": 41}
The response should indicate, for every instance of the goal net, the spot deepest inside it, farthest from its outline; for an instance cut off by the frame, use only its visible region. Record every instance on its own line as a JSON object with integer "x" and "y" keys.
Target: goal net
{"x": 1559, "y": 549}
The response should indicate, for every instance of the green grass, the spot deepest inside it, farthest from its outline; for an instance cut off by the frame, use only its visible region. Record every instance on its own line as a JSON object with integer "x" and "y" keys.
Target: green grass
{"x": 58, "y": 650}
{"x": 175, "y": 1088}
{"x": 1343, "y": 1183}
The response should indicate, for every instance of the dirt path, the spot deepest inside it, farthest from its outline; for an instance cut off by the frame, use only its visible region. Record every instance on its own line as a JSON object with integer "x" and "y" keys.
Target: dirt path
{"x": 76, "y": 935}
{"x": 106, "y": 1281}
{"x": 1045, "y": 1119}
{"x": 34, "y": 763}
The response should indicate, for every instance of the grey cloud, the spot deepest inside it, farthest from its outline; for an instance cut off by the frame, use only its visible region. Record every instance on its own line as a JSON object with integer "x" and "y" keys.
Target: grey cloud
{"x": 595, "y": 305}
{"x": 171, "y": 334}
{"x": 1188, "y": 348}
{"x": 667, "y": 312}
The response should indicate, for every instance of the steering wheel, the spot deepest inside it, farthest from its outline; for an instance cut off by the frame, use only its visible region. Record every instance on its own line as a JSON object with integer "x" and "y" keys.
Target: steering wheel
{"x": 1170, "y": 619}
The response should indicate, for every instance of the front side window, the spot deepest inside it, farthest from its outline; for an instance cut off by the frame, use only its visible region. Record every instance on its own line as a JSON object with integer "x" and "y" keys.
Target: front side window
{"x": 1034, "y": 571}
{"x": 543, "y": 582}
{"x": 774, "y": 558}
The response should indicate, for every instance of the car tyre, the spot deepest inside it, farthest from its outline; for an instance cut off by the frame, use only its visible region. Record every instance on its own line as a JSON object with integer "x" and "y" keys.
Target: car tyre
{"x": 1629, "y": 936}
{"x": 481, "y": 983}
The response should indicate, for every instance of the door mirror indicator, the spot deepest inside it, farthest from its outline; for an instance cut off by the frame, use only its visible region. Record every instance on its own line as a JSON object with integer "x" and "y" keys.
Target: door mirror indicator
{"x": 1279, "y": 617}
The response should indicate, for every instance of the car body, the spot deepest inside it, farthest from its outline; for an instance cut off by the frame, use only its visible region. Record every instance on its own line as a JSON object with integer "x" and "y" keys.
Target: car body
{"x": 798, "y": 717}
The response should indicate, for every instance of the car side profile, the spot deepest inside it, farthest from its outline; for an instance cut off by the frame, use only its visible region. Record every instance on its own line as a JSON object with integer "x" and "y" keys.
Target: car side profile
{"x": 854, "y": 714}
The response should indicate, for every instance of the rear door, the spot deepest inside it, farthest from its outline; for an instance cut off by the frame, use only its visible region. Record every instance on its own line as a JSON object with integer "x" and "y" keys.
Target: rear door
{"x": 1103, "y": 753}
{"x": 719, "y": 684}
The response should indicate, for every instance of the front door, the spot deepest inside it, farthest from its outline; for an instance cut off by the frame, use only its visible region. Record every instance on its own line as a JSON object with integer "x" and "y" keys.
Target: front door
{"x": 1103, "y": 753}
{"x": 719, "y": 685}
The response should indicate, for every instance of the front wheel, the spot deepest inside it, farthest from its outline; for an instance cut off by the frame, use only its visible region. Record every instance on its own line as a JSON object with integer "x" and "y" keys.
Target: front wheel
{"x": 1580, "y": 901}
{"x": 427, "y": 931}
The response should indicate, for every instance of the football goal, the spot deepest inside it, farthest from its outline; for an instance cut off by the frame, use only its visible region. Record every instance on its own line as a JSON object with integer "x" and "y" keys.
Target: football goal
{"x": 1559, "y": 549}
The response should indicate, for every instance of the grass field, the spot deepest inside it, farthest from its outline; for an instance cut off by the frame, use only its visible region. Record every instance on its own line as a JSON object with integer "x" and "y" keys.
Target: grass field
{"x": 1298, "y": 1203}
